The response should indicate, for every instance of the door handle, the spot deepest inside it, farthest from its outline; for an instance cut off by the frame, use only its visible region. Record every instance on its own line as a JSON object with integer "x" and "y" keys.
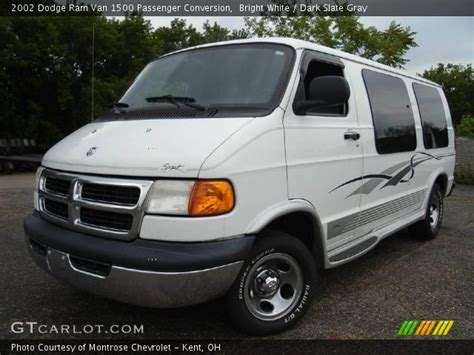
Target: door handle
{"x": 352, "y": 135}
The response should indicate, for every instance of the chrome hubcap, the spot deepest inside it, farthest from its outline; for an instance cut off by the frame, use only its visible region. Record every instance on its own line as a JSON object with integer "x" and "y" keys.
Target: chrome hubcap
{"x": 273, "y": 286}
{"x": 267, "y": 282}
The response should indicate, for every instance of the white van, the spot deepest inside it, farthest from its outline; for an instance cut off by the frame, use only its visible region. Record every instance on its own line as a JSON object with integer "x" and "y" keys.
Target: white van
{"x": 241, "y": 168}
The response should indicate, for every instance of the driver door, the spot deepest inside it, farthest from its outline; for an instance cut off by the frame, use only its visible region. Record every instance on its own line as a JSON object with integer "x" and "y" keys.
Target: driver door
{"x": 323, "y": 152}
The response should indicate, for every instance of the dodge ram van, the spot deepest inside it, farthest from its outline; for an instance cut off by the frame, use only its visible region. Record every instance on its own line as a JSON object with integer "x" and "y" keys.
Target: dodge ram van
{"x": 240, "y": 169}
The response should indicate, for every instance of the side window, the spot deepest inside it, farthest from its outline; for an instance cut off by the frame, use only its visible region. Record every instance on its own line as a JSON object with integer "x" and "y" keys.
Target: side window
{"x": 394, "y": 124}
{"x": 433, "y": 118}
{"x": 316, "y": 69}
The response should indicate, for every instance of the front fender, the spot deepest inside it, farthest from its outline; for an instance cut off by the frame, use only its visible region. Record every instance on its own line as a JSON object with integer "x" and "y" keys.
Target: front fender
{"x": 274, "y": 212}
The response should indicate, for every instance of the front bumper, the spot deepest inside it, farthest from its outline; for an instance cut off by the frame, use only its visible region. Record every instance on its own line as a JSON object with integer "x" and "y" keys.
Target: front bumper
{"x": 146, "y": 273}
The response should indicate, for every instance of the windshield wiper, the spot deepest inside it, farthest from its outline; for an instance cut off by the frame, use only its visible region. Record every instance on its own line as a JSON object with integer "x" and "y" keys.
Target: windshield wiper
{"x": 177, "y": 100}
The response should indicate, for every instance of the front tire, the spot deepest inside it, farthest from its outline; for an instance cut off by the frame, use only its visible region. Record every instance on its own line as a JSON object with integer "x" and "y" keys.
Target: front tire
{"x": 274, "y": 287}
{"x": 428, "y": 228}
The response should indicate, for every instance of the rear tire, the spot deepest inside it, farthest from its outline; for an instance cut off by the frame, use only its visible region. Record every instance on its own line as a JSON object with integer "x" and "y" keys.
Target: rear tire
{"x": 274, "y": 287}
{"x": 428, "y": 228}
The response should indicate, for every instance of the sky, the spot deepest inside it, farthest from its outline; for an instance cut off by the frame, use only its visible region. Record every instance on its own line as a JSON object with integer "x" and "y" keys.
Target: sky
{"x": 440, "y": 39}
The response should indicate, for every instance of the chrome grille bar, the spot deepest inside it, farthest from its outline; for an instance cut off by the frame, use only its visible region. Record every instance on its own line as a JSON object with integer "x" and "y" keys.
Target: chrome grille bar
{"x": 75, "y": 202}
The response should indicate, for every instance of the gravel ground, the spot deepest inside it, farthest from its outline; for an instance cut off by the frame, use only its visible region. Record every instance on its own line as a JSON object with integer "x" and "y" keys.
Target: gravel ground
{"x": 366, "y": 299}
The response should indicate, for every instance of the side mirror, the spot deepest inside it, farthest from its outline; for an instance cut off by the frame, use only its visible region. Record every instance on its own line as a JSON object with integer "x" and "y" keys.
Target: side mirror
{"x": 324, "y": 91}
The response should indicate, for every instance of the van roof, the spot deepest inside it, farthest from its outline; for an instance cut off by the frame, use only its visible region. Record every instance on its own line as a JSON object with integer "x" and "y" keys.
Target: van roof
{"x": 300, "y": 44}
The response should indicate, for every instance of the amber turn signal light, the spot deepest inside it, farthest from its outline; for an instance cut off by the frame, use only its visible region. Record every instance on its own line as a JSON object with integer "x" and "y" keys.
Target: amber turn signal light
{"x": 211, "y": 197}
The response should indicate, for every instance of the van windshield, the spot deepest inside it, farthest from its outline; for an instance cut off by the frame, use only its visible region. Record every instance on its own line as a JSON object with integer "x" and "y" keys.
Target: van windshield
{"x": 240, "y": 76}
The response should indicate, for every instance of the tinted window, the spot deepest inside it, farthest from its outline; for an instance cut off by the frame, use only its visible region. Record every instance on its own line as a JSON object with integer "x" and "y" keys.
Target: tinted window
{"x": 392, "y": 115}
{"x": 433, "y": 119}
{"x": 317, "y": 69}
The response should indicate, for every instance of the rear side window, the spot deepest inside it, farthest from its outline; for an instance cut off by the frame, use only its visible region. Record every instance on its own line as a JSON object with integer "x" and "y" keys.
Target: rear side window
{"x": 394, "y": 124}
{"x": 433, "y": 118}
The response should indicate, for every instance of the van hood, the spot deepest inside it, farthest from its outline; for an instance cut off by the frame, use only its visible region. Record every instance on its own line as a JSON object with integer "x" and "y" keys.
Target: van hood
{"x": 155, "y": 148}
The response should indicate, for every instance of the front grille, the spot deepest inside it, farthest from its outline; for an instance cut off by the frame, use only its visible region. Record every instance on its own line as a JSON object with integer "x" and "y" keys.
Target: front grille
{"x": 109, "y": 207}
{"x": 125, "y": 195}
{"x": 58, "y": 209}
{"x": 57, "y": 186}
{"x": 106, "y": 219}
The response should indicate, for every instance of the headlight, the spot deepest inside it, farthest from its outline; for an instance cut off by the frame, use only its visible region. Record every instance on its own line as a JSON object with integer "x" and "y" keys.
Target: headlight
{"x": 169, "y": 197}
{"x": 39, "y": 171}
{"x": 190, "y": 198}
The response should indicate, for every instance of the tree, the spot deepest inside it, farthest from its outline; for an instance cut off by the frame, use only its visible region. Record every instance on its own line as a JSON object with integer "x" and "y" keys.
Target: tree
{"x": 342, "y": 32}
{"x": 179, "y": 35}
{"x": 215, "y": 33}
{"x": 457, "y": 81}
{"x": 46, "y": 67}
{"x": 45, "y": 83}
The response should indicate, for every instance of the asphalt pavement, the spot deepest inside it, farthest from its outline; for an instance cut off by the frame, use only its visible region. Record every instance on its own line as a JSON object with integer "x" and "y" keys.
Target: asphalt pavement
{"x": 400, "y": 279}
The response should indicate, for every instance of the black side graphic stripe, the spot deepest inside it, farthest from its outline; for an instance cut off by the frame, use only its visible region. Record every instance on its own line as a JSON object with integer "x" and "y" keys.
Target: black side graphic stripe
{"x": 409, "y": 169}
{"x": 392, "y": 180}
{"x": 378, "y": 176}
{"x": 368, "y": 186}
{"x": 398, "y": 177}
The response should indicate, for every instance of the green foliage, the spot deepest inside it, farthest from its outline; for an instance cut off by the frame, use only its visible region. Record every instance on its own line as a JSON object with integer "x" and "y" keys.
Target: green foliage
{"x": 464, "y": 174}
{"x": 46, "y": 67}
{"x": 341, "y": 32}
{"x": 466, "y": 127}
{"x": 47, "y": 62}
{"x": 179, "y": 35}
{"x": 458, "y": 84}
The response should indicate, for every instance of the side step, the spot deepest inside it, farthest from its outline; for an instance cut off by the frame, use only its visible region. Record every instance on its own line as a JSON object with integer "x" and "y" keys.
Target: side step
{"x": 356, "y": 249}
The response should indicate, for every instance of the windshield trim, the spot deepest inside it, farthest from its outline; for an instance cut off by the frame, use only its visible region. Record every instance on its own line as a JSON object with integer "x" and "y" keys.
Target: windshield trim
{"x": 280, "y": 88}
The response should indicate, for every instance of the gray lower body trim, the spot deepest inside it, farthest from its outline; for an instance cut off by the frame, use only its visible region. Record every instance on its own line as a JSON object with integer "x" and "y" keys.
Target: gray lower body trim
{"x": 139, "y": 287}
{"x": 353, "y": 221}
{"x": 356, "y": 249}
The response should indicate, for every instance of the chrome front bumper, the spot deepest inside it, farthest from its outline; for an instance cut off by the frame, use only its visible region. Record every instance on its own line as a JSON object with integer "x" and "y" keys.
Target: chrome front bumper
{"x": 139, "y": 287}
{"x": 141, "y": 272}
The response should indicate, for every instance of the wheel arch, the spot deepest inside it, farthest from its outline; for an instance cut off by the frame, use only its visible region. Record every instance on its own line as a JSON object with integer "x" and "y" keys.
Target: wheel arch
{"x": 440, "y": 177}
{"x": 297, "y": 218}
{"x": 442, "y": 181}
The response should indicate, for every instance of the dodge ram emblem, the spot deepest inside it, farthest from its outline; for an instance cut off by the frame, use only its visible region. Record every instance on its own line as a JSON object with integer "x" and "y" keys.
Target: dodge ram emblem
{"x": 91, "y": 151}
